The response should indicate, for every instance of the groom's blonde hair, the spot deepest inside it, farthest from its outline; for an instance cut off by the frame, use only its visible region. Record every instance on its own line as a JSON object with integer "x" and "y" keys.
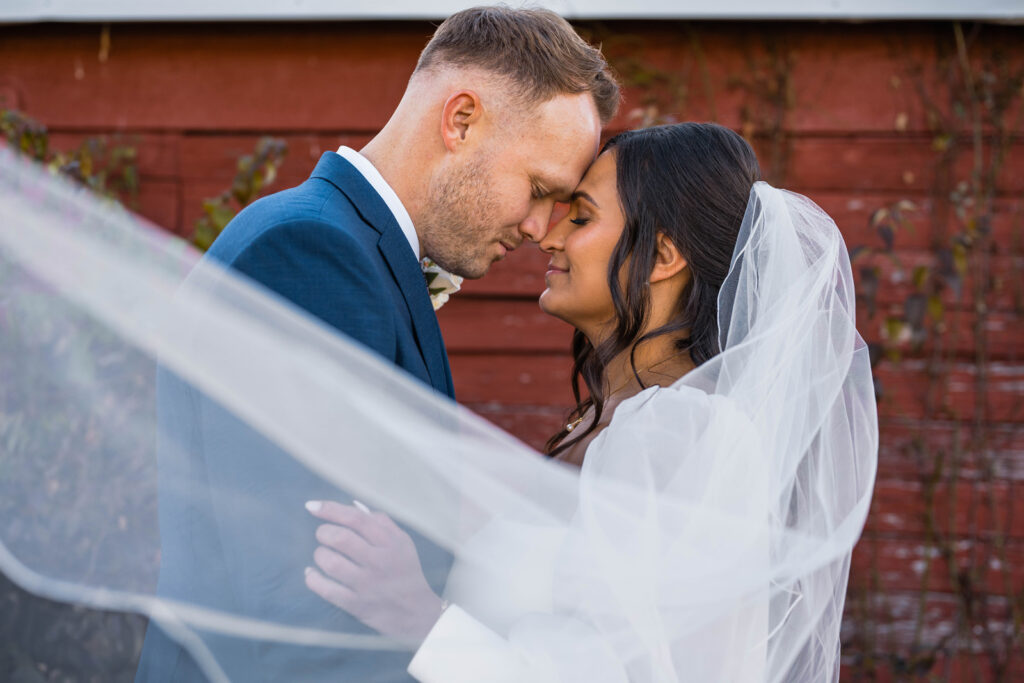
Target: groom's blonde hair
{"x": 536, "y": 50}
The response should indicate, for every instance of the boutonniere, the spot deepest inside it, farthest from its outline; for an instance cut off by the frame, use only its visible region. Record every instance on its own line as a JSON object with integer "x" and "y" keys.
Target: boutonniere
{"x": 440, "y": 283}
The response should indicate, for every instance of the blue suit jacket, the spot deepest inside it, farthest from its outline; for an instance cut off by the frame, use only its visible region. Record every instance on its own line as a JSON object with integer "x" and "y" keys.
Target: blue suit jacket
{"x": 333, "y": 247}
{"x": 234, "y": 533}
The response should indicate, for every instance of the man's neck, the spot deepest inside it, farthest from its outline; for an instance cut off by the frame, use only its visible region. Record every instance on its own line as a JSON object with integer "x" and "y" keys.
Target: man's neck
{"x": 387, "y": 152}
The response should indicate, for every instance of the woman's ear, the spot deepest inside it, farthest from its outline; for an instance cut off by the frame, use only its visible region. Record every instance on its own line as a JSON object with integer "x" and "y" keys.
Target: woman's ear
{"x": 668, "y": 262}
{"x": 461, "y": 111}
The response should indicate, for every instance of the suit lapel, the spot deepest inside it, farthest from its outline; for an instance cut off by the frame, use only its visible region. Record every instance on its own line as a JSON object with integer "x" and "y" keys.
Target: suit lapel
{"x": 394, "y": 247}
{"x": 396, "y": 252}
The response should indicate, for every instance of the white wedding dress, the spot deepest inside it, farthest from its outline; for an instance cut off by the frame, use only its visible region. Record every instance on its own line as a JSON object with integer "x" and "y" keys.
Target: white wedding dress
{"x": 707, "y": 536}
{"x": 525, "y": 561}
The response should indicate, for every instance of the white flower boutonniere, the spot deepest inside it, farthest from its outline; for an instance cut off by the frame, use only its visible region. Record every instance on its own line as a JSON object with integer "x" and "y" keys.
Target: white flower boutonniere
{"x": 440, "y": 283}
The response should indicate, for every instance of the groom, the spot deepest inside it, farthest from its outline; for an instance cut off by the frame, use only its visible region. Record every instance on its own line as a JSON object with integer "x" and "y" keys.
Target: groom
{"x": 500, "y": 119}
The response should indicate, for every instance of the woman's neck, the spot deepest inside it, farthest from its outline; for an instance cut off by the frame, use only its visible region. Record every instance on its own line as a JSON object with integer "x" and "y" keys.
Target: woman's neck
{"x": 657, "y": 361}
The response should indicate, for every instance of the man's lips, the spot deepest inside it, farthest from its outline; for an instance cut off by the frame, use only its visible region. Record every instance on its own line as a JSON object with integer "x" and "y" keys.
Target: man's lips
{"x": 506, "y": 247}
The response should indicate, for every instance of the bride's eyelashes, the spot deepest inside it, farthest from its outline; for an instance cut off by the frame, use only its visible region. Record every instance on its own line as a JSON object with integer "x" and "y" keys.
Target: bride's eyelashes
{"x": 579, "y": 221}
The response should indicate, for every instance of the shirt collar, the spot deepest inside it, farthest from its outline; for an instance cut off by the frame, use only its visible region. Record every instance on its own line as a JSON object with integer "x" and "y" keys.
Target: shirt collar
{"x": 378, "y": 183}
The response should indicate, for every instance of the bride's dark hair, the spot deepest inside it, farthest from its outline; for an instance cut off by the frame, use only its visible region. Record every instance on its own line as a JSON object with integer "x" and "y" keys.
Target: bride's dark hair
{"x": 690, "y": 181}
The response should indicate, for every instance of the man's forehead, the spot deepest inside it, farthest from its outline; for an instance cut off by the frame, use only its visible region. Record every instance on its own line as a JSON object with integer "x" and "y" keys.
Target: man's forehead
{"x": 563, "y": 139}
{"x": 567, "y": 120}
{"x": 577, "y": 110}
{"x": 557, "y": 177}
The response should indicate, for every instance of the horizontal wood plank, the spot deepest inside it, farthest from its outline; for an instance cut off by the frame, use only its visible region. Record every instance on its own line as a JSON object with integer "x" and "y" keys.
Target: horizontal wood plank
{"x": 905, "y": 392}
{"x": 909, "y": 563}
{"x": 349, "y": 75}
{"x": 491, "y": 325}
{"x": 902, "y": 508}
{"x": 912, "y": 449}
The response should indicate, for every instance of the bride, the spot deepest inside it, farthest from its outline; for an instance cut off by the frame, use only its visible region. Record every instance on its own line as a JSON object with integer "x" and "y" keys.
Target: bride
{"x": 725, "y": 379}
{"x": 693, "y": 520}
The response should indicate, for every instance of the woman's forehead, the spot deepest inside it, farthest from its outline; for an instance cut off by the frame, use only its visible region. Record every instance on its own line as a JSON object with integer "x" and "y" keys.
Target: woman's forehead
{"x": 600, "y": 177}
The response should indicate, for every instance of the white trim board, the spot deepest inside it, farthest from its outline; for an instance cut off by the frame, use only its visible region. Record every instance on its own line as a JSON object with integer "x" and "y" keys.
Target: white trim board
{"x": 25, "y": 11}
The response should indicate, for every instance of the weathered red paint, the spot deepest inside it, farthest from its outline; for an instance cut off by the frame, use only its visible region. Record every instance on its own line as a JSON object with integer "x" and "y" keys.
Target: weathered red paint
{"x": 193, "y": 98}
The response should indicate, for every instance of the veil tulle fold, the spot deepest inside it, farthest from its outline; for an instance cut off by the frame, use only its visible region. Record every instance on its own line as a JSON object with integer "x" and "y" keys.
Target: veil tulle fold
{"x": 706, "y": 537}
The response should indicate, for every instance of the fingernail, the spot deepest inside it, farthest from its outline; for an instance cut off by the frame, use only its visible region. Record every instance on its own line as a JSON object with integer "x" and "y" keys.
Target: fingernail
{"x": 360, "y": 506}
{"x": 314, "y": 505}
{"x": 307, "y": 570}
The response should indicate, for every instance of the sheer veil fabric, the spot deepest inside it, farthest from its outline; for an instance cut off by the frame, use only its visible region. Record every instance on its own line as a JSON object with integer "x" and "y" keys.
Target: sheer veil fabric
{"x": 707, "y": 536}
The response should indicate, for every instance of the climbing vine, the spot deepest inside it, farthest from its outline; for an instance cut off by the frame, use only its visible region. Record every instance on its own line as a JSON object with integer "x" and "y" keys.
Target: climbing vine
{"x": 971, "y": 98}
{"x": 935, "y": 310}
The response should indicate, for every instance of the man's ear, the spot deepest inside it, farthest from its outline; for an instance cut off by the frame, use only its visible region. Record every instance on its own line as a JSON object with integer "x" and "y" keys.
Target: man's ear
{"x": 461, "y": 110}
{"x": 668, "y": 262}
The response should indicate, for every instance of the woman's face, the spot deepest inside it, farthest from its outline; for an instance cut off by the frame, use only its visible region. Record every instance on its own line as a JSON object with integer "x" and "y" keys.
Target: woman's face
{"x": 581, "y": 246}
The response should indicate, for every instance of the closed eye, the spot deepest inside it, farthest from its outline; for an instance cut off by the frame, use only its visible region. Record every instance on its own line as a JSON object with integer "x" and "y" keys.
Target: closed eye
{"x": 579, "y": 221}
{"x": 539, "y": 189}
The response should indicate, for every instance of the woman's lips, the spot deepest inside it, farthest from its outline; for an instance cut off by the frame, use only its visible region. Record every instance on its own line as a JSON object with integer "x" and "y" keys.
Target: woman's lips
{"x": 554, "y": 270}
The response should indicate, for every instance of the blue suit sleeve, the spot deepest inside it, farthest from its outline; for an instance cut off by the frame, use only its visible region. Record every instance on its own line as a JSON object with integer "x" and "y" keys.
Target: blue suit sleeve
{"x": 263, "y": 534}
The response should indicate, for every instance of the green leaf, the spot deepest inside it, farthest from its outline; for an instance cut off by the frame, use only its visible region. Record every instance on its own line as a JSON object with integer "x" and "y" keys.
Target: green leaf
{"x": 130, "y": 177}
{"x": 218, "y": 213}
{"x": 894, "y": 329}
{"x": 257, "y": 185}
{"x": 960, "y": 258}
{"x": 942, "y": 142}
{"x": 936, "y": 309}
{"x": 858, "y": 252}
{"x": 920, "y": 276}
{"x": 204, "y": 234}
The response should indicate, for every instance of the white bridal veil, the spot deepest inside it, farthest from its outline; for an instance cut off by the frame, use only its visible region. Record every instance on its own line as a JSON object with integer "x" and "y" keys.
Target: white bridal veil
{"x": 162, "y": 421}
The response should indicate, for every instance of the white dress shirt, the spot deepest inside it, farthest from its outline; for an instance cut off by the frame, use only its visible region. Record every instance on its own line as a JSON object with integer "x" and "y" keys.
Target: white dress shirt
{"x": 378, "y": 183}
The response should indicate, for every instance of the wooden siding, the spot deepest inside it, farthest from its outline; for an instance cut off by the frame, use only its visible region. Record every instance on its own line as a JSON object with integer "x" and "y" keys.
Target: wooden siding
{"x": 854, "y": 136}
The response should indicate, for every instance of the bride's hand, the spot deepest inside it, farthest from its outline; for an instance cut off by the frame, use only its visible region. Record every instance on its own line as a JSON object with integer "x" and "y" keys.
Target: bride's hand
{"x": 371, "y": 570}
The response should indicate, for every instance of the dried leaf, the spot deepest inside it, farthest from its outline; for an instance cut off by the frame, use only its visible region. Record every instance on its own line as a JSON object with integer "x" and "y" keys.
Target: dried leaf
{"x": 878, "y": 216}
{"x": 887, "y": 236}
{"x": 914, "y": 309}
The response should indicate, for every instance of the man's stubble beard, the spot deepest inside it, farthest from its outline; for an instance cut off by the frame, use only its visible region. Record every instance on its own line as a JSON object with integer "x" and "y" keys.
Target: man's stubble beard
{"x": 459, "y": 227}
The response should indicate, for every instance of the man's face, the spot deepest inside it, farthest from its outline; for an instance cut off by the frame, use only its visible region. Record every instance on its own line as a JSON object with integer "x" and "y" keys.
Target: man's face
{"x": 487, "y": 200}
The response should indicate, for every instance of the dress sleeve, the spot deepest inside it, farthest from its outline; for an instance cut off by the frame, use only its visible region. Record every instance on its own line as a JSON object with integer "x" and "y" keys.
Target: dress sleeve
{"x": 668, "y": 493}
{"x": 541, "y": 648}
{"x": 460, "y": 649}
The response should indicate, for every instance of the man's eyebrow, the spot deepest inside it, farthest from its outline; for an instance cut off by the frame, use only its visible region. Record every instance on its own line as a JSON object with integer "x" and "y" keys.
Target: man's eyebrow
{"x": 579, "y": 194}
{"x": 550, "y": 187}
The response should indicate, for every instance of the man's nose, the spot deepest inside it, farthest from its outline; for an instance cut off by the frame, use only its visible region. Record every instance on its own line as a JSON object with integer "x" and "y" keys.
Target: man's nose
{"x": 554, "y": 240}
{"x": 536, "y": 223}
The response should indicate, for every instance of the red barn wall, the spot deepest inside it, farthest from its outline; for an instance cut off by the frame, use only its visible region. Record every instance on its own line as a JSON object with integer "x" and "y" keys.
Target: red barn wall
{"x": 848, "y": 128}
